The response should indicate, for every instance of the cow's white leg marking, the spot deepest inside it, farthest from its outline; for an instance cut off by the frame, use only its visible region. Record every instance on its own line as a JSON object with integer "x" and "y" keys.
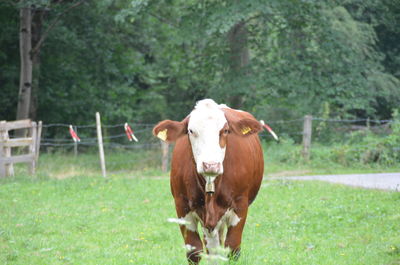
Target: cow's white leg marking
{"x": 229, "y": 218}
{"x": 222, "y": 235}
{"x": 212, "y": 238}
{"x": 192, "y": 219}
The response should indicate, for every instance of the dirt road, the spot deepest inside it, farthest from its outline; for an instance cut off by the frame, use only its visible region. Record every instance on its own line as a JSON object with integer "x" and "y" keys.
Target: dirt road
{"x": 383, "y": 181}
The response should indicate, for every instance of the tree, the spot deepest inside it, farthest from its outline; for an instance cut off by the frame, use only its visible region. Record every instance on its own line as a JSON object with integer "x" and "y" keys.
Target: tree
{"x": 25, "y": 84}
{"x": 31, "y": 20}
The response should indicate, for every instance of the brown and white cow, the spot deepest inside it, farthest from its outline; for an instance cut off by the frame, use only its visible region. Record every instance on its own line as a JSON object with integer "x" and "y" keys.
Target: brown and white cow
{"x": 216, "y": 171}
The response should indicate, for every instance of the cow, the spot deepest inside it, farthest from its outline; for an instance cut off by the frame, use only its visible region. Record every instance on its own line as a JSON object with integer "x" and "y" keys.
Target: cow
{"x": 216, "y": 171}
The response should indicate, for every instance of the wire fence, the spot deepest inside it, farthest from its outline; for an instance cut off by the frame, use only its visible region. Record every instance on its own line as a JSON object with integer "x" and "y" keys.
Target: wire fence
{"x": 58, "y": 135}
{"x": 114, "y": 135}
{"x": 147, "y": 152}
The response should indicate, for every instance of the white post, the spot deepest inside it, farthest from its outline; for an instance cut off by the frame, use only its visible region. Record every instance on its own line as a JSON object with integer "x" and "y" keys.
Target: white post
{"x": 100, "y": 141}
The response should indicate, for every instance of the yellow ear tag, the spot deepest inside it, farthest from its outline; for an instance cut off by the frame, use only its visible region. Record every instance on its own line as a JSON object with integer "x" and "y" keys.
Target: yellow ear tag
{"x": 245, "y": 130}
{"x": 162, "y": 134}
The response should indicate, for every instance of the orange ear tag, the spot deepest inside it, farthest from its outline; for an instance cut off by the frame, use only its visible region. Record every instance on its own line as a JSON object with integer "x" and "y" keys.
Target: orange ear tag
{"x": 162, "y": 134}
{"x": 246, "y": 130}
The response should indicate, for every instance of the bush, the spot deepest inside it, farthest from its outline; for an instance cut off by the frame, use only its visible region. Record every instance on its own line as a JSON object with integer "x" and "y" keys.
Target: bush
{"x": 375, "y": 148}
{"x": 361, "y": 149}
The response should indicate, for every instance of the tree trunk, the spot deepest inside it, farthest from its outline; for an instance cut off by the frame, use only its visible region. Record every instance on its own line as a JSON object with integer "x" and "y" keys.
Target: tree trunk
{"x": 25, "y": 45}
{"x": 37, "y": 22}
{"x": 240, "y": 57}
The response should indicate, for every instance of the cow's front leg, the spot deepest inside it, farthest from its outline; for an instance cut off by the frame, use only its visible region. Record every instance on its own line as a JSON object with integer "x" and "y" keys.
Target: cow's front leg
{"x": 193, "y": 243}
{"x": 235, "y": 230}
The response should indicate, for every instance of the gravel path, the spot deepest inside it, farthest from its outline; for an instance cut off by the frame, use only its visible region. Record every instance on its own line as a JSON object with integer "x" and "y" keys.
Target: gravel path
{"x": 383, "y": 181}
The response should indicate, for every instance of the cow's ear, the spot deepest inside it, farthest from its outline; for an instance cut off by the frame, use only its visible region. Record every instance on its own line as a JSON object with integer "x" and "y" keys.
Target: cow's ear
{"x": 170, "y": 131}
{"x": 246, "y": 126}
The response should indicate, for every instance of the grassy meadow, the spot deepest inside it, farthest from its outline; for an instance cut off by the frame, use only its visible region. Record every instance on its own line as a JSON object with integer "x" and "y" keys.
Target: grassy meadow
{"x": 121, "y": 220}
{"x": 68, "y": 214}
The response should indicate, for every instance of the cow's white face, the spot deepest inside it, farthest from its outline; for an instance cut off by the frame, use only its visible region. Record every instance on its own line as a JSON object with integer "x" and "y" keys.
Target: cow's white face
{"x": 207, "y": 129}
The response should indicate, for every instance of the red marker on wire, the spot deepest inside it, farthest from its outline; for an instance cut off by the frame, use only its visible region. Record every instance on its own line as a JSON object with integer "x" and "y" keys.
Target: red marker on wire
{"x": 269, "y": 130}
{"x": 129, "y": 133}
{"x": 73, "y": 134}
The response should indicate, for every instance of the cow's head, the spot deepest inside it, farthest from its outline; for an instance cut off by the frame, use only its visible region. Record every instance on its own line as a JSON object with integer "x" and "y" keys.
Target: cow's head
{"x": 208, "y": 127}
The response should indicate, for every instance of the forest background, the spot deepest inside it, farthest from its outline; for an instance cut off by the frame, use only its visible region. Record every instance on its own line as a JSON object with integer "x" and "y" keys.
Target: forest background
{"x": 150, "y": 60}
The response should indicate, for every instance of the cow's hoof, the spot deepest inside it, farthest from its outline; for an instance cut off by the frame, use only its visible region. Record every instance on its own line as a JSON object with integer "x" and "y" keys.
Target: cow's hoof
{"x": 193, "y": 257}
{"x": 234, "y": 254}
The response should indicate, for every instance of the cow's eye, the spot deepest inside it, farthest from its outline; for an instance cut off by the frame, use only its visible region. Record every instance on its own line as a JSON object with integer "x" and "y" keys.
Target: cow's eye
{"x": 190, "y": 131}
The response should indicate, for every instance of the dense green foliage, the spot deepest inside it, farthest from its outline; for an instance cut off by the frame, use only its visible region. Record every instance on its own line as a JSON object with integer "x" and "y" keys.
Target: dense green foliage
{"x": 91, "y": 220}
{"x": 147, "y": 60}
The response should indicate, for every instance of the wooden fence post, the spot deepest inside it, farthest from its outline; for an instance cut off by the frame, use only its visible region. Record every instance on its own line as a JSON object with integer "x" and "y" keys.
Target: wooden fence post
{"x": 76, "y": 143}
{"x": 38, "y": 140}
{"x": 164, "y": 159}
{"x": 6, "y": 150}
{"x": 2, "y": 149}
{"x": 100, "y": 141}
{"x": 32, "y": 148}
{"x": 307, "y": 133}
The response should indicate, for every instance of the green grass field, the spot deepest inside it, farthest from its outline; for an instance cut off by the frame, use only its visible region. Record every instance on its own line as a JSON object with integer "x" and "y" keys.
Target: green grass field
{"x": 282, "y": 159}
{"x": 123, "y": 220}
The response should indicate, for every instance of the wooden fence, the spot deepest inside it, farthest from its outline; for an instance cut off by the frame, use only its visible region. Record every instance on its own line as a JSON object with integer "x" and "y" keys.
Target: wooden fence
{"x": 31, "y": 143}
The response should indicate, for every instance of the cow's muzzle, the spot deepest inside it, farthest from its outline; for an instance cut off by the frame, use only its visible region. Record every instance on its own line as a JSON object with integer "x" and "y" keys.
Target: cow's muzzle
{"x": 212, "y": 168}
